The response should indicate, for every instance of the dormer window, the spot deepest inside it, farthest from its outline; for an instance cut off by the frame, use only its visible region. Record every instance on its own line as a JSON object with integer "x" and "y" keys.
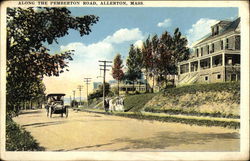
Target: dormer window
{"x": 215, "y": 30}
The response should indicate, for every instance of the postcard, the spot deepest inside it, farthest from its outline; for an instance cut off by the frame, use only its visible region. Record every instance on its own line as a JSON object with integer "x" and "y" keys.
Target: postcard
{"x": 124, "y": 80}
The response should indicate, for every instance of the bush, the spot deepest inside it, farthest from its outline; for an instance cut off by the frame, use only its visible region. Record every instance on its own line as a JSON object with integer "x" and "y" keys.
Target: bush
{"x": 18, "y": 139}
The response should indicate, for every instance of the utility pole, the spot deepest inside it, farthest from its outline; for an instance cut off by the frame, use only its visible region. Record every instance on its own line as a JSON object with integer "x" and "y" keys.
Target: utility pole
{"x": 104, "y": 68}
{"x": 87, "y": 80}
{"x": 74, "y": 98}
{"x": 70, "y": 101}
{"x": 80, "y": 89}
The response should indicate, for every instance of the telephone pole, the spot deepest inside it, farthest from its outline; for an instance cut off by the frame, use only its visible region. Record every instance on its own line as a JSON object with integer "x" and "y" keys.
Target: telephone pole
{"x": 74, "y": 98}
{"x": 87, "y": 80}
{"x": 80, "y": 89}
{"x": 104, "y": 68}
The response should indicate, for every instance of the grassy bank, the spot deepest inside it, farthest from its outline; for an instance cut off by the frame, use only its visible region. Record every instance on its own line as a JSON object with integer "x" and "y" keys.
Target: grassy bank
{"x": 18, "y": 139}
{"x": 135, "y": 103}
{"x": 216, "y": 100}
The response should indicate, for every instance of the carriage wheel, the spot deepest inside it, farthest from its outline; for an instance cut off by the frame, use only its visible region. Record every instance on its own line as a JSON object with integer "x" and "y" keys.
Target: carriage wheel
{"x": 50, "y": 112}
{"x": 47, "y": 112}
{"x": 66, "y": 112}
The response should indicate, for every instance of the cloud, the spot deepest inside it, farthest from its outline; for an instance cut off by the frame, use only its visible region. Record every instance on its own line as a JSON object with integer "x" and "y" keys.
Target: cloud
{"x": 85, "y": 60}
{"x": 138, "y": 44}
{"x": 87, "y": 52}
{"x": 166, "y": 23}
{"x": 124, "y": 35}
{"x": 201, "y": 28}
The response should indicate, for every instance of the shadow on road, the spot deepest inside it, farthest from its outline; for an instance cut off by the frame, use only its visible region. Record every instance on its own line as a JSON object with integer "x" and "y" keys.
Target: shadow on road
{"x": 30, "y": 112}
{"x": 44, "y": 124}
{"x": 168, "y": 139}
{"x": 85, "y": 147}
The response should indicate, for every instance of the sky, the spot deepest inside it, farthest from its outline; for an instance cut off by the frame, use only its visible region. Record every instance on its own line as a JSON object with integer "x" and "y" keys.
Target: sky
{"x": 117, "y": 29}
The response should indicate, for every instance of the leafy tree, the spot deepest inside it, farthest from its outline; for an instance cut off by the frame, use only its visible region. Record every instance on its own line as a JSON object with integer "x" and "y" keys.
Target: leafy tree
{"x": 28, "y": 60}
{"x": 99, "y": 92}
{"x": 134, "y": 65}
{"x": 117, "y": 71}
{"x": 172, "y": 49}
{"x": 147, "y": 59}
{"x": 164, "y": 58}
{"x": 161, "y": 55}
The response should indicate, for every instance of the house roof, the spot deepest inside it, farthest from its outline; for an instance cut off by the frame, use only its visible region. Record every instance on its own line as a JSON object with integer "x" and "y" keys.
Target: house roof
{"x": 231, "y": 26}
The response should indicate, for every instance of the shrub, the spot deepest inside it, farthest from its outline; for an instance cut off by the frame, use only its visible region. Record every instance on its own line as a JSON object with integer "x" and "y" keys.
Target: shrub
{"x": 18, "y": 139}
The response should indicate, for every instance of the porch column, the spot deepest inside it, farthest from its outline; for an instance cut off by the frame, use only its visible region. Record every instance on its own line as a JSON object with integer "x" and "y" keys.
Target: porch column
{"x": 211, "y": 62}
{"x": 179, "y": 69}
{"x": 199, "y": 63}
{"x": 223, "y": 59}
{"x": 189, "y": 67}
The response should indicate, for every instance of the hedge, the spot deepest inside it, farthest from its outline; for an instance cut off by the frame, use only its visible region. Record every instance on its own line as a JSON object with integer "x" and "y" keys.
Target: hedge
{"x": 18, "y": 139}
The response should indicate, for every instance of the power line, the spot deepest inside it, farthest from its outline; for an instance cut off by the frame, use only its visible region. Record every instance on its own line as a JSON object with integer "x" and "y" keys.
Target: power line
{"x": 104, "y": 68}
{"x": 87, "y": 80}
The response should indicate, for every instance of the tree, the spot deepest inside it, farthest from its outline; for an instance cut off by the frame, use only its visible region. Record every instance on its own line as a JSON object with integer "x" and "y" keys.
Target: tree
{"x": 117, "y": 71}
{"x": 147, "y": 59}
{"x": 134, "y": 65}
{"x": 28, "y": 60}
{"x": 99, "y": 92}
{"x": 161, "y": 55}
{"x": 171, "y": 50}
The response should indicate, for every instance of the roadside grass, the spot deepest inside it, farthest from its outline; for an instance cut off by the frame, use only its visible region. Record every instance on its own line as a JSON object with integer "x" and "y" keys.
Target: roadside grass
{"x": 215, "y": 100}
{"x": 190, "y": 120}
{"x": 18, "y": 139}
{"x": 135, "y": 103}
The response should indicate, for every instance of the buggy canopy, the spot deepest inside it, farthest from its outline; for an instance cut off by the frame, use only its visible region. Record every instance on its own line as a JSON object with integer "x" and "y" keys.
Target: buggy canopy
{"x": 55, "y": 94}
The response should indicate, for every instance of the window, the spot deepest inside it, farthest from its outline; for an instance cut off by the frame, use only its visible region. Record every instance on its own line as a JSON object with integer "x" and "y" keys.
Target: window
{"x": 233, "y": 77}
{"x": 207, "y": 49}
{"x": 201, "y": 51}
{"x": 217, "y": 30}
{"x": 197, "y": 52}
{"x": 206, "y": 78}
{"x": 229, "y": 61}
{"x": 221, "y": 44}
{"x": 212, "y": 31}
{"x": 212, "y": 50}
{"x": 227, "y": 44}
{"x": 218, "y": 76}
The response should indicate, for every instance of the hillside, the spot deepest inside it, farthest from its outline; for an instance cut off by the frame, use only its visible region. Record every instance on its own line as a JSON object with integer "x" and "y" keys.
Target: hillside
{"x": 217, "y": 100}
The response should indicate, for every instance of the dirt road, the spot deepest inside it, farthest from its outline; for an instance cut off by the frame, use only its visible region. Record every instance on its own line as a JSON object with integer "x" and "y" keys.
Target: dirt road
{"x": 97, "y": 132}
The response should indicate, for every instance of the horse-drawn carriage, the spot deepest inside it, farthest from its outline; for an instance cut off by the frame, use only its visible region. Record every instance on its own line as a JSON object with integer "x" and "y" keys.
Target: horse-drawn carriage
{"x": 55, "y": 105}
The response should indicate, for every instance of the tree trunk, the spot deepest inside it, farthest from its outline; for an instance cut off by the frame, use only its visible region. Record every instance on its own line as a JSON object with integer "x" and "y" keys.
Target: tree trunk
{"x": 146, "y": 82}
{"x": 133, "y": 86}
{"x": 153, "y": 84}
{"x": 118, "y": 88}
{"x": 166, "y": 81}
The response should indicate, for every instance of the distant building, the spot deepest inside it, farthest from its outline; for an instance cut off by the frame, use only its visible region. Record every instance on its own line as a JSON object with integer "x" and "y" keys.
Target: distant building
{"x": 96, "y": 85}
{"x": 216, "y": 58}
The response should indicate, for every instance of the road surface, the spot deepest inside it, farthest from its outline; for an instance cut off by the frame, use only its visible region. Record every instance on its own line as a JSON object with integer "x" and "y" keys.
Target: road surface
{"x": 97, "y": 132}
